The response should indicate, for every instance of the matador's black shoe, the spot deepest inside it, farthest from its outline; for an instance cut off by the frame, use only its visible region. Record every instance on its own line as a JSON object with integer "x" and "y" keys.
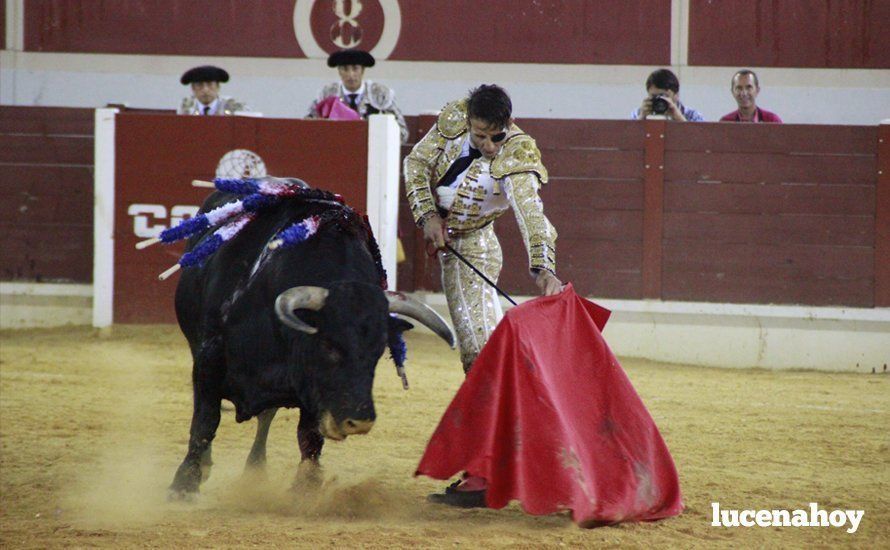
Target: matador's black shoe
{"x": 459, "y": 499}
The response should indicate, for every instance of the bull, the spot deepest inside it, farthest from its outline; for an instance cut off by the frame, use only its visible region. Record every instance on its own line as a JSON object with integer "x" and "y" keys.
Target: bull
{"x": 301, "y": 326}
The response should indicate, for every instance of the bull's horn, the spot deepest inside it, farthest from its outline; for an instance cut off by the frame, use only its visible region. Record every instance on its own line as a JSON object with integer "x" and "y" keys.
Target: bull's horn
{"x": 299, "y": 297}
{"x": 401, "y": 303}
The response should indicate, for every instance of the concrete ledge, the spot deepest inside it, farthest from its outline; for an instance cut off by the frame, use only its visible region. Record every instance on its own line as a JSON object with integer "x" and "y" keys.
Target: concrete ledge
{"x": 29, "y": 305}
{"x": 694, "y": 333}
{"x": 742, "y": 335}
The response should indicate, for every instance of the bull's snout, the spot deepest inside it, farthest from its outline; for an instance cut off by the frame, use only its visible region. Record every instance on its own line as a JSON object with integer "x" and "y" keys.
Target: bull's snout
{"x": 332, "y": 429}
{"x": 352, "y": 427}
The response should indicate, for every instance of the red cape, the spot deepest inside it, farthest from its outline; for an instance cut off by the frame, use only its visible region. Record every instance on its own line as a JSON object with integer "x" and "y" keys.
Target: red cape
{"x": 548, "y": 417}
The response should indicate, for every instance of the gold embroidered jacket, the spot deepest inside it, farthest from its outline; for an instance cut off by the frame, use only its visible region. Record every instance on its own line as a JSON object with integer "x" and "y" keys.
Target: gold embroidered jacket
{"x": 487, "y": 189}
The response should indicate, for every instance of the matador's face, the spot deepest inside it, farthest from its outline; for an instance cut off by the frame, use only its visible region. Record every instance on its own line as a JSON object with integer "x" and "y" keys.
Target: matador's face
{"x": 487, "y": 138}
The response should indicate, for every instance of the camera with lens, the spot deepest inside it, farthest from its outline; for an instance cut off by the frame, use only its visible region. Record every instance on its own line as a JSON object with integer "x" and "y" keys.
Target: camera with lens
{"x": 659, "y": 105}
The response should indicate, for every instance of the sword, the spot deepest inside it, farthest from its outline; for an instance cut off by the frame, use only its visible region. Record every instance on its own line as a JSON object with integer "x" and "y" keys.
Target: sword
{"x": 484, "y": 278}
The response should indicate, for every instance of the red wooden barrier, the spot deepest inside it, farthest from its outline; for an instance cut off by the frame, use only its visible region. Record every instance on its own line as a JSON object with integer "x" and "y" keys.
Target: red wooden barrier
{"x": 882, "y": 220}
{"x": 761, "y": 214}
{"x": 739, "y": 213}
{"x": 46, "y": 179}
{"x": 653, "y": 211}
{"x": 157, "y": 157}
{"x": 746, "y": 213}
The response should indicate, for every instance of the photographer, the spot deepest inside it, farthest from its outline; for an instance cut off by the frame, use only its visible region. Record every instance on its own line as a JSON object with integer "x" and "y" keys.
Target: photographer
{"x": 664, "y": 99}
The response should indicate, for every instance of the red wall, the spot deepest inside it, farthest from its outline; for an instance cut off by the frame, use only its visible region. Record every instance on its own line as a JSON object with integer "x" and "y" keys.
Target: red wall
{"x": 596, "y": 178}
{"x": 631, "y": 32}
{"x": 732, "y": 212}
{"x": 46, "y": 179}
{"x": 790, "y": 33}
{"x": 539, "y": 31}
{"x": 158, "y": 156}
{"x": 782, "y": 214}
{"x": 171, "y": 27}
{"x": 734, "y": 33}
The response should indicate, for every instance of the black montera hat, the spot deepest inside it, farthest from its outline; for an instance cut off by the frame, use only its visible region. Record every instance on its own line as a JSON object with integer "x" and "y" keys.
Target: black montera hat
{"x": 350, "y": 57}
{"x": 204, "y": 73}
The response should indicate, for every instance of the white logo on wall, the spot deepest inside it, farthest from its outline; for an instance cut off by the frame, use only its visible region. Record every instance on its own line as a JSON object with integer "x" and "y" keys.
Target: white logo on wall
{"x": 347, "y": 31}
{"x": 241, "y": 163}
{"x": 150, "y": 219}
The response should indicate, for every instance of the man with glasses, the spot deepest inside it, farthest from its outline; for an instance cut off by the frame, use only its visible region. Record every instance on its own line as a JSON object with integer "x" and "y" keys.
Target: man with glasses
{"x": 470, "y": 168}
{"x": 205, "y": 99}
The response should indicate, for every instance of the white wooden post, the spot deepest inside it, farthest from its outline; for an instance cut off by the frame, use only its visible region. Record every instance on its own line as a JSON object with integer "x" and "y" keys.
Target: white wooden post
{"x": 383, "y": 188}
{"x": 103, "y": 219}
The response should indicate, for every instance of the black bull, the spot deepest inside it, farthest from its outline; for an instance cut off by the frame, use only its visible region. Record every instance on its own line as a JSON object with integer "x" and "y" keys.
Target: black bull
{"x": 298, "y": 326}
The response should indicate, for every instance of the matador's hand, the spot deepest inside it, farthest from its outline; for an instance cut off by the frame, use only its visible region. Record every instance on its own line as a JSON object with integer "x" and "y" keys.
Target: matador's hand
{"x": 548, "y": 283}
{"x": 434, "y": 231}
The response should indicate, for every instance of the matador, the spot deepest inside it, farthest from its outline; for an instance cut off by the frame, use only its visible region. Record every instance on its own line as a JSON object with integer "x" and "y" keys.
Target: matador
{"x": 470, "y": 168}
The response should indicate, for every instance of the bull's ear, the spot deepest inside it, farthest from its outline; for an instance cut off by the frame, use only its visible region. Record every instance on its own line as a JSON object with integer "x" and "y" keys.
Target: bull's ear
{"x": 397, "y": 325}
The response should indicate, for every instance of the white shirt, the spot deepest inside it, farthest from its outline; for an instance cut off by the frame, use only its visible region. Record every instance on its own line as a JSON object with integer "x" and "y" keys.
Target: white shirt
{"x": 482, "y": 187}
{"x": 359, "y": 94}
{"x": 214, "y": 105}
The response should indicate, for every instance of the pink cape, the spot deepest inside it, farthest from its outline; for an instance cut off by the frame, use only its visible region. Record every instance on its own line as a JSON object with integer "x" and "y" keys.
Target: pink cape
{"x": 332, "y": 108}
{"x": 548, "y": 417}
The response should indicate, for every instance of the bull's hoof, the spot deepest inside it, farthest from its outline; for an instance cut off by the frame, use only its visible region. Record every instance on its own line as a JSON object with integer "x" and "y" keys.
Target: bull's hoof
{"x": 256, "y": 460}
{"x": 177, "y": 495}
{"x": 187, "y": 479}
{"x": 309, "y": 477}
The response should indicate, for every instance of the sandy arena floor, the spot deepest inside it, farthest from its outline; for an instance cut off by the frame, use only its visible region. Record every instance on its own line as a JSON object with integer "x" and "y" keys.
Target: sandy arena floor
{"x": 92, "y": 429}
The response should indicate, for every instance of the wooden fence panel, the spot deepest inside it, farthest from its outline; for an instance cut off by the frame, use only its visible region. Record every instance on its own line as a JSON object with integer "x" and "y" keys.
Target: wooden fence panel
{"x": 46, "y": 175}
{"x": 770, "y": 214}
{"x": 747, "y": 213}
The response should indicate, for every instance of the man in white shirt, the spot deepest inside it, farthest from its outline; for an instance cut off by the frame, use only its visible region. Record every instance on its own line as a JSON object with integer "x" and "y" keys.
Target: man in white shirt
{"x": 205, "y": 99}
{"x": 361, "y": 95}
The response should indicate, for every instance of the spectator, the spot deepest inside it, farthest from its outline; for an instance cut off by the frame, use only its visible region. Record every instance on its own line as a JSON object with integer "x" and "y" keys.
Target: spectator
{"x": 663, "y": 89}
{"x": 745, "y": 87}
{"x": 205, "y": 99}
{"x": 361, "y": 95}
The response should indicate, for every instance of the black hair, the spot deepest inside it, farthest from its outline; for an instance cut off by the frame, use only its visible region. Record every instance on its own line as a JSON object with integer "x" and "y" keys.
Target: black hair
{"x": 744, "y": 72}
{"x": 664, "y": 79}
{"x": 490, "y": 103}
